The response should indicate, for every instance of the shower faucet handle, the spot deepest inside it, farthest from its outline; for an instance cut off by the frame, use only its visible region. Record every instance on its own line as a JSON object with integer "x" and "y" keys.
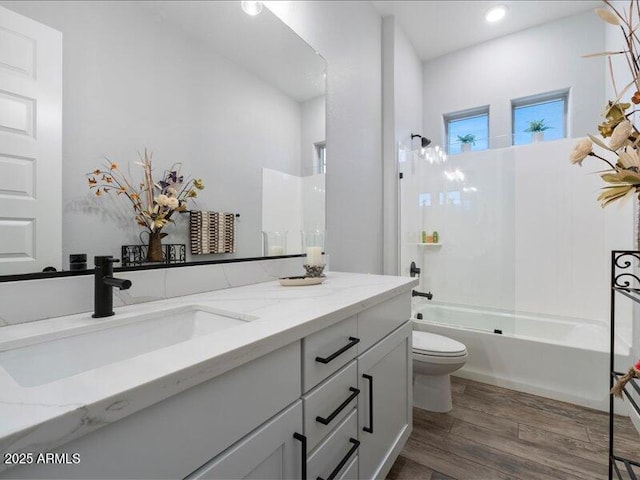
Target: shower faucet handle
{"x": 414, "y": 270}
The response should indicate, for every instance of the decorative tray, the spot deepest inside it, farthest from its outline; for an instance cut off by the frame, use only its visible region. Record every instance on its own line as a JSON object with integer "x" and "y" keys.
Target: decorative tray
{"x": 301, "y": 281}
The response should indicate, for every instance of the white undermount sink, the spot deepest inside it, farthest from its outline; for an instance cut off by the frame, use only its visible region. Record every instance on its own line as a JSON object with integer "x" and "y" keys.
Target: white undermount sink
{"x": 112, "y": 340}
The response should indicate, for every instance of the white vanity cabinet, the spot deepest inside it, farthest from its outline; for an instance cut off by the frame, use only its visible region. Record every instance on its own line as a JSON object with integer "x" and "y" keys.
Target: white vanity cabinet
{"x": 175, "y": 437}
{"x": 334, "y": 405}
{"x": 376, "y": 343}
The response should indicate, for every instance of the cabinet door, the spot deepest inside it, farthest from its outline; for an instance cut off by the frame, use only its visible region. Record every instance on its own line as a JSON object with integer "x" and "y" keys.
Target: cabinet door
{"x": 384, "y": 408}
{"x": 269, "y": 453}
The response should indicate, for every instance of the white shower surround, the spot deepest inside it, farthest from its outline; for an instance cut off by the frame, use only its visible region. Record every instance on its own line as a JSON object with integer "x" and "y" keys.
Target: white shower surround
{"x": 561, "y": 358}
{"x": 292, "y": 204}
{"x": 529, "y": 237}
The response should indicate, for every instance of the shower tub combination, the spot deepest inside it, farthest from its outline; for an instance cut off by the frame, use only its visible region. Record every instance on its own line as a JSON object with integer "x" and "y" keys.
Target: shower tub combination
{"x": 560, "y": 358}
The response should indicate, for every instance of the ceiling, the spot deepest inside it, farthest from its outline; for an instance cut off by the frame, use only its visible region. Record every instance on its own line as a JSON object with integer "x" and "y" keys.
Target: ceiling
{"x": 436, "y": 28}
{"x": 263, "y": 44}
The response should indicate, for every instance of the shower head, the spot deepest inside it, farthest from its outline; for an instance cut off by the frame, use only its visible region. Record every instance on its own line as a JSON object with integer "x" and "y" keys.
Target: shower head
{"x": 424, "y": 141}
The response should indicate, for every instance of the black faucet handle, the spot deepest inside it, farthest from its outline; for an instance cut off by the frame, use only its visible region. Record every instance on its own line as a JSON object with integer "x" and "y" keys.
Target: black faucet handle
{"x": 105, "y": 260}
{"x": 414, "y": 270}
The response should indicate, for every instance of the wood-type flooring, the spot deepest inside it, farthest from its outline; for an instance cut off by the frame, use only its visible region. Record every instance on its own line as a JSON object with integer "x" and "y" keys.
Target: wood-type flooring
{"x": 494, "y": 433}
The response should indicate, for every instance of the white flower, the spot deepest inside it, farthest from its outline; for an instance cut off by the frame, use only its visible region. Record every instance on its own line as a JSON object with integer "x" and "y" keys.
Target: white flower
{"x": 162, "y": 200}
{"x": 172, "y": 191}
{"x": 629, "y": 158}
{"x": 583, "y": 148}
{"x": 173, "y": 203}
{"x": 608, "y": 16}
{"x": 620, "y": 135}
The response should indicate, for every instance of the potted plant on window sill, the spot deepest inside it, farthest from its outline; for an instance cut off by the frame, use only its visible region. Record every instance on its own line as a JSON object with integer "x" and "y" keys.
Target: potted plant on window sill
{"x": 537, "y": 128}
{"x": 466, "y": 141}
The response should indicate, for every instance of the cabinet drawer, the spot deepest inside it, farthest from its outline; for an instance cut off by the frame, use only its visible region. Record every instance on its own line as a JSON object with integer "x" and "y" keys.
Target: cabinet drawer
{"x": 326, "y": 351}
{"x": 332, "y": 401}
{"x": 377, "y": 322}
{"x": 351, "y": 472}
{"x": 341, "y": 446}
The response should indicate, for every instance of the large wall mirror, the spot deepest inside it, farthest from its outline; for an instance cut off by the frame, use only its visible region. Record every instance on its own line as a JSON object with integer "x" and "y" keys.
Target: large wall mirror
{"x": 237, "y": 100}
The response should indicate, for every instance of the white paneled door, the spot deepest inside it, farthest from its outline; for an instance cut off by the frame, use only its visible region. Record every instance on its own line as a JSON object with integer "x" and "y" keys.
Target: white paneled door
{"x": 30, "y": 145}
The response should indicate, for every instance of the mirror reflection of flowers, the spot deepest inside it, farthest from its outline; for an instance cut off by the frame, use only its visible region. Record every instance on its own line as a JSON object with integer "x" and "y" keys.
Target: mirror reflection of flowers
{"x": 153, "y": 202}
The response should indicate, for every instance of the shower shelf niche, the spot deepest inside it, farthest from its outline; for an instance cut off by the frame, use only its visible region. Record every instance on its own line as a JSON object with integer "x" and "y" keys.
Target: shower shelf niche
{"x": 621, "y": 284}
{"x": 429, "y": 244}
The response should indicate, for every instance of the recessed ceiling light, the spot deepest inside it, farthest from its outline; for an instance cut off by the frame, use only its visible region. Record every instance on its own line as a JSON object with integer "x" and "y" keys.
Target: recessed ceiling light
{"x": 496, "y": 13}
{"x": 251, "y": 8}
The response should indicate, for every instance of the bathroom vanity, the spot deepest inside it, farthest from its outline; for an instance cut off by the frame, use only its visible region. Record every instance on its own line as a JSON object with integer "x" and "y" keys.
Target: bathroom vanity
{"x": 302, "y": 382}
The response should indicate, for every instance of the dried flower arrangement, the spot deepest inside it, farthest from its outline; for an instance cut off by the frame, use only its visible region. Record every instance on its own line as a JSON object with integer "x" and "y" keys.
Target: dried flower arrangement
{"x": 622, "y": 175}
{"x": 153, "y": 202}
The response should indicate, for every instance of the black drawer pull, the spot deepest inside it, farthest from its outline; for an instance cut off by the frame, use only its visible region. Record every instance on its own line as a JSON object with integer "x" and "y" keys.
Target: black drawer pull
{"x": 352, "y": 341}
{"x": 369, "y": 429}
{"x": 303, "y": 440}
{"x": 327, "y": 421}
{"x": 343, "y": 462}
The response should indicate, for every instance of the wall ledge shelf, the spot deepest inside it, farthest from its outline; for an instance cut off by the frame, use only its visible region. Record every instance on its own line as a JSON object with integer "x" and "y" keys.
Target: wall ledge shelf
{"x": 429, "y": 244}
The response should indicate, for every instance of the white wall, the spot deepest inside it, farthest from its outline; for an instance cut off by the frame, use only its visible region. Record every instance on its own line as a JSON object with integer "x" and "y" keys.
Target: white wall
{"x": 531, "y": 238}
{"x": 144, "y": 83}
{"x": 348, "y": 35}
{"x": 538, "y": 60}
{"x": 312, "y": 131}
{"x": 402, "y": 116}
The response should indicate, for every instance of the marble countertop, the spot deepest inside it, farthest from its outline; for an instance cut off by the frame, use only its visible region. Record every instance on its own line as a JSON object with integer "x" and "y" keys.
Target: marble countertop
{"x": 42, "y": 417}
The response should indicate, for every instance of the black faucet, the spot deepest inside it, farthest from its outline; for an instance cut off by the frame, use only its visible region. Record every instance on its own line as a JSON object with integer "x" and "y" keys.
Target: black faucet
{"x": 104, "y": 283}
{"x": 428, "y": 295}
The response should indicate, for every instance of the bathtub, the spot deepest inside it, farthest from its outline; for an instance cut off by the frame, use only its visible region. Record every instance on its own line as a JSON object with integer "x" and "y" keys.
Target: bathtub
{"x": 561, "y": 358}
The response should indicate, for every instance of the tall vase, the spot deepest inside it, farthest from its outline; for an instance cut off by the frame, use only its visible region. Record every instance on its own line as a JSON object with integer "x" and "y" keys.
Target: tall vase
{"x": 154, "y": 252}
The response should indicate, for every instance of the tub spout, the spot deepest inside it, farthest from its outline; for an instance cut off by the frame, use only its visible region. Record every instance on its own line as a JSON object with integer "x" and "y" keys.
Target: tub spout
{"x": 428, "y": 295}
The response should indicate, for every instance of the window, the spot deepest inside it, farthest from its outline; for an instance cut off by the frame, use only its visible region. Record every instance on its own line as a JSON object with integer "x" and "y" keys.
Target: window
{"x": 472, "y": 125}
{"x": 548, "y": 108}
{"x": 424, "y": 199}
{"x": 321, "y": 157}
{"x": 449, "y": 198}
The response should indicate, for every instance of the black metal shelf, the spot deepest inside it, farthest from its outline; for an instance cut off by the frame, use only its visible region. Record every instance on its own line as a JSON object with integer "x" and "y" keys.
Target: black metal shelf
{"x": 624, "y": 282}
{"x": 634, "y": 383}
{"x": 632, "y": 293}
{"x": 137, "y": 254}
{"x": 614, "y": 459}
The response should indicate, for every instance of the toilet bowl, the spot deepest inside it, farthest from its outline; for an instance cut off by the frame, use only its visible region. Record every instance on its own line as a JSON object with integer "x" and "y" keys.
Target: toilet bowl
{"x": 434, "y": 358}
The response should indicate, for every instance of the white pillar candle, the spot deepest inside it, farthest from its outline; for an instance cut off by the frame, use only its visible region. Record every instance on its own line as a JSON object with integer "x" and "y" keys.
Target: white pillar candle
{"x": 314, "y": 256}
{"x": 276, "y": 250}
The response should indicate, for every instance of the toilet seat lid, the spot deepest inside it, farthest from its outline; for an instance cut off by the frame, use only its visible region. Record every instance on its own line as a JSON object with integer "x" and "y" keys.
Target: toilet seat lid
{"x": 432, "y": 344}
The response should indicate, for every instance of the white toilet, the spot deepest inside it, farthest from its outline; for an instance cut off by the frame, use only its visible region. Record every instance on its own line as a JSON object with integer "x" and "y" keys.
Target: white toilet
{"x": 434, "y": 358}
